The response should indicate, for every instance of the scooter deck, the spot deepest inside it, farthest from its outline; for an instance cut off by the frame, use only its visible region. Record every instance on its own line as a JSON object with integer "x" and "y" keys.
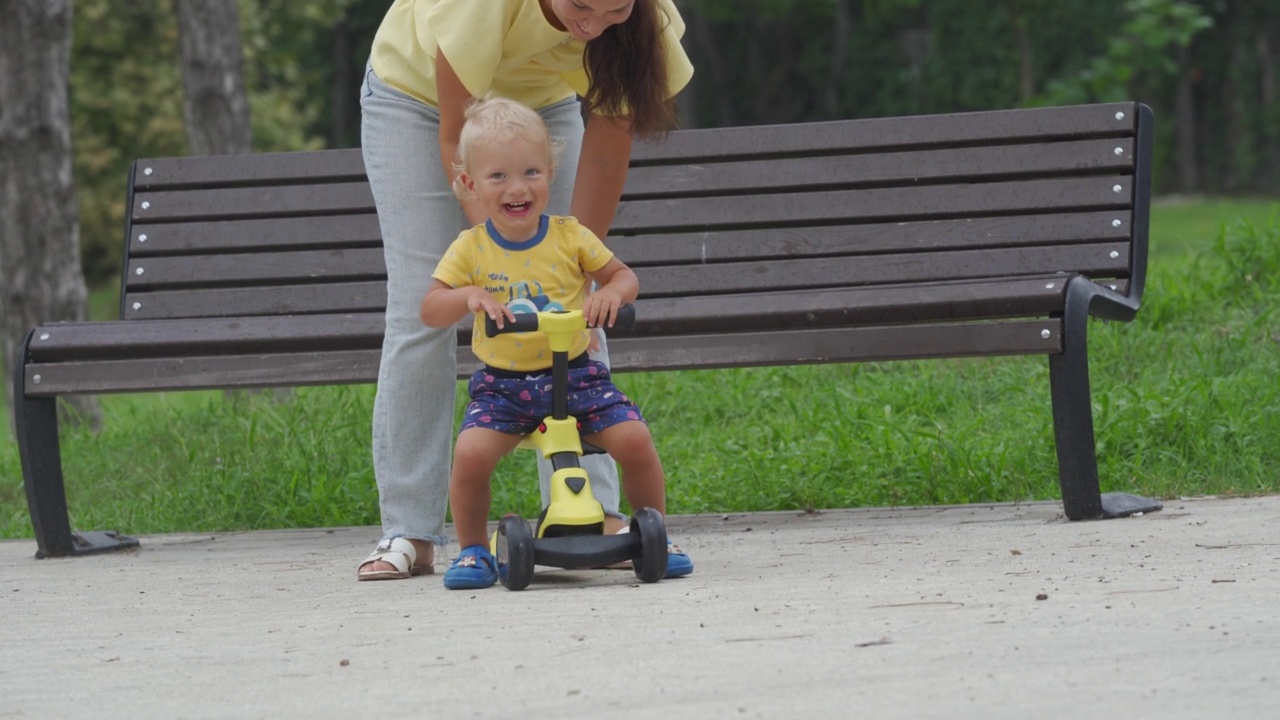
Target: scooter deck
{"x": 573, "y": 552}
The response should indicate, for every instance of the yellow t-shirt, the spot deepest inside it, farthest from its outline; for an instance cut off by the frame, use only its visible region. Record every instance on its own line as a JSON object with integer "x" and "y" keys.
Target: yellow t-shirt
{"x": 546, "y": 272}
{"x": 504, "y": 46}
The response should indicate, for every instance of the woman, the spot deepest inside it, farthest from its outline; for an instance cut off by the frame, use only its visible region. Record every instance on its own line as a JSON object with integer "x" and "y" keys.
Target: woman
{"x": 430, "y": 58}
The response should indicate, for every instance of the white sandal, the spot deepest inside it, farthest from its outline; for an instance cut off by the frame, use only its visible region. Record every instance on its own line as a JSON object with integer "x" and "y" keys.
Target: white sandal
{"x": 398, "y": 553}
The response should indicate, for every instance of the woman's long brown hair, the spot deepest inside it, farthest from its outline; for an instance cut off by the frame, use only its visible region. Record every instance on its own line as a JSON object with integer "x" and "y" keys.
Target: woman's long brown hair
{"x": 627, "y": 70}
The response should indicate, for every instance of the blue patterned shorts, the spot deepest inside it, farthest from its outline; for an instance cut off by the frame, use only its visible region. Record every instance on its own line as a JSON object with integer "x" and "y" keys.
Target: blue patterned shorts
{"x": 517, "y": 405}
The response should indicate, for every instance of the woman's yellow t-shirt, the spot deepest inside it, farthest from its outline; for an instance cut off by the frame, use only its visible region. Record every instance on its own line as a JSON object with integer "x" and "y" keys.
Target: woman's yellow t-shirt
{"x": 502, "y": 46}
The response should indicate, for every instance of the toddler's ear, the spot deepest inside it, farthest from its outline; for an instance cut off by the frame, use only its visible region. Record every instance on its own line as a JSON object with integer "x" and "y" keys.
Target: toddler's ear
{"x": 464, "y": 186}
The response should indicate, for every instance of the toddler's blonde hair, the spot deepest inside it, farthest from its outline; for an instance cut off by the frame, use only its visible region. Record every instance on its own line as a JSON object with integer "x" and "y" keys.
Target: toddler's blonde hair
{"x": 497, "y": 119}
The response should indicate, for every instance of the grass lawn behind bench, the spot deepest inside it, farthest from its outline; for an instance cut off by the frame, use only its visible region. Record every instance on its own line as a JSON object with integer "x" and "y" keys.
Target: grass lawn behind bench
{"x": 1187, "y": 403}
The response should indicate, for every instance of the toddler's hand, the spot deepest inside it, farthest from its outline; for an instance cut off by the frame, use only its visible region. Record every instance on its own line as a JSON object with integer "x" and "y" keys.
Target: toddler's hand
{"x": 482, "y": 302}
{"x": 601, "y": 308}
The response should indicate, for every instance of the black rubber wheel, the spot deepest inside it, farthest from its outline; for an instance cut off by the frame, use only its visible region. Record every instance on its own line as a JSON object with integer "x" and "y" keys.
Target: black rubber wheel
{"x": 515, "y": 553}
{"x": 651, "y": 564}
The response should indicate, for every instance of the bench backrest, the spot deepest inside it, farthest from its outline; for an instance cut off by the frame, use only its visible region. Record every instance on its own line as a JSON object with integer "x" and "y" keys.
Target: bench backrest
{"x": 710, "y": 218}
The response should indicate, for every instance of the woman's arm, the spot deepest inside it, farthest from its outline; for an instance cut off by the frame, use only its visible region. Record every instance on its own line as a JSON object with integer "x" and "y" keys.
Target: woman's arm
{"x": 453, "y": 98}
{"x": 602, "y": 171}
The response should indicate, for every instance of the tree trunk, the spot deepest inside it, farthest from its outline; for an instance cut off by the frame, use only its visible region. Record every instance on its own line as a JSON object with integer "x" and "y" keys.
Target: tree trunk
{"x": 841, "y": 29}
{"x": 1269, "y": 94}
{"x": 703, "y": 39}
{"x": 216, "y": 109}
{"x": 344, "y": 102}
{"x": 1026, "y": 61}
{"x": 39, "y": 218}
{"x": 1185, "y": 125}
{"x": 1240, "y": 137}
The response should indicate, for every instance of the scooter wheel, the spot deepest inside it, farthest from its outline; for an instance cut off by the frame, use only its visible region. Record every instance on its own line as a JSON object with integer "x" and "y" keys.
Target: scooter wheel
{"x": 651, "y": 564}
{"x": 514, "y": 553}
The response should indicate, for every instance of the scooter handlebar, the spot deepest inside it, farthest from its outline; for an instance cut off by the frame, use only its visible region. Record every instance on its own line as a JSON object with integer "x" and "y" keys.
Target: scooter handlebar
{"x": 524, "y": 322}
{"x": 626, "y": 319}
{"x": 528, "y": 322}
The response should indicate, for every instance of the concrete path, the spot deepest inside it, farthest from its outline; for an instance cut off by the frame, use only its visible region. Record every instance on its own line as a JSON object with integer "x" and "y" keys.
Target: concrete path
{"x": 1005, "y": 611}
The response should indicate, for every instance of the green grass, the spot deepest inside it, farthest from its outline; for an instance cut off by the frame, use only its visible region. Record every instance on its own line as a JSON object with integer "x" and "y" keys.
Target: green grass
{"x": 1187, "y": 225}
{"x": 1186, "y": 403}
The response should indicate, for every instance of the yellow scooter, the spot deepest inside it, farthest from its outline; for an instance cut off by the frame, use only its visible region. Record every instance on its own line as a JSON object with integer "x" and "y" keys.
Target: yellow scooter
{"x": 570, "y": 532}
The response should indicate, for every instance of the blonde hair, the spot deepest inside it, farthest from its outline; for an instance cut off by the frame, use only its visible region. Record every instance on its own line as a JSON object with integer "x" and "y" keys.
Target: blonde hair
{"x": 494, "y": 119}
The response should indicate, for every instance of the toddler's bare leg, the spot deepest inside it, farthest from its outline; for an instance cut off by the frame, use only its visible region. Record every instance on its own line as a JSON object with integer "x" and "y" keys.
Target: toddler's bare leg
{"x": 632, "y": 446}
{"x": 474, "y": 458}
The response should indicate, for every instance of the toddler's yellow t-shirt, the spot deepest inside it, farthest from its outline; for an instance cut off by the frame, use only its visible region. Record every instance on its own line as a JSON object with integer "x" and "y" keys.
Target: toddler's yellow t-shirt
{"x": 546, "y": 272}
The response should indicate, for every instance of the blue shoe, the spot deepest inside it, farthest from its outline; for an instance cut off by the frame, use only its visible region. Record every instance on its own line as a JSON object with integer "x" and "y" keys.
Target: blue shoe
{"x": 678, "y": 562}
{"x": 474, "y": 569}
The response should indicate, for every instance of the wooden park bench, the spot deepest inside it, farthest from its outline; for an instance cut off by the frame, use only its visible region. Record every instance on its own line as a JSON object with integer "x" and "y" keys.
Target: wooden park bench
{"x": 974, "y": 234}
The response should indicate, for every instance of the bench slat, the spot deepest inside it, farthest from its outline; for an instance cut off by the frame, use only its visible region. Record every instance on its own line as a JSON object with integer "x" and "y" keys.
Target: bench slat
{"x": 896, "y": 168}
{"x": 289, "y": 274}
{"x": 251, "y": 169}
{"x": 347, "y": 298}
{"x": 627, "y": 354}
{"x": 857, "y": 303}
{"x": 762, "y": 311}
{"x": 168, "y": 338}
{"x": 876, "y": 205}
{"x": 338, "y": 367}
{"x": 337, "y": 297}
{"x": 723, "y": 246}
{"x": 785, "y": 274}
{"x": 807, "y": 347}
{"x": 1024, "y": 296}
{"x": 823, "y": 138}
{"x": 328, "y": 298}
{"x": 253, "y": 202}
{"x": 325, "y": 266}
{"x": 299, "y": 233}
{"x": 737, "y": 178}
{"x": 354, "y": 231}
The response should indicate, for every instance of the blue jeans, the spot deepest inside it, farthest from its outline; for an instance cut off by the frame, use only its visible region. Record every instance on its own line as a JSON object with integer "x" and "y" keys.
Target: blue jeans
{"x": 420, "y": 216}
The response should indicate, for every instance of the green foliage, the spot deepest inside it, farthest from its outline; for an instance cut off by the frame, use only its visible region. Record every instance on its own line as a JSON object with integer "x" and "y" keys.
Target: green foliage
{"x": 1233, "y": 71}
{"x": 1152, "y": 29}
{"x": 127, "y": 95}
{"x": 758, "y": 61}
{"x": 1250, "y": 260}
{"x": 126, "y": 102}
{"x": 765, "y": 62}
{"x": 286, "y": 69}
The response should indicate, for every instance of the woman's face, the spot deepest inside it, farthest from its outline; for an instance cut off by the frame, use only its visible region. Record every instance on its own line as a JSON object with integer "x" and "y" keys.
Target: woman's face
{"x": 586, "y": 19}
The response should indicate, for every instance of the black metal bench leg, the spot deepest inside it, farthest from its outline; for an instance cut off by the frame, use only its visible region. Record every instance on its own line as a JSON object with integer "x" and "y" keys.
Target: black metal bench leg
{"x": 36, "y": 426}
{"x": 1073, "y": 426}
